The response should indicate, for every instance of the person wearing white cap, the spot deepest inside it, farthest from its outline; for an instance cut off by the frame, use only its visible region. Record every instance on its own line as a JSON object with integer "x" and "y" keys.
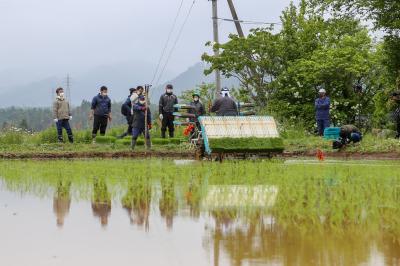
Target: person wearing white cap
{"x": 322, "y": 107}
{"x": 225, "y": 106}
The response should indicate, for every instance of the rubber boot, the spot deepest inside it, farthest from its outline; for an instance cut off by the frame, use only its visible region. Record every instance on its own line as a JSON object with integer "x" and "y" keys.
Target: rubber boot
{"x": 163, "y": 134}
{"x": 148, "y": 144}
{"x": 60, "y": 139}
{"x": 171, "y": 134}
{"x": 71, "y": 139}
{"x": 133, "y": 143}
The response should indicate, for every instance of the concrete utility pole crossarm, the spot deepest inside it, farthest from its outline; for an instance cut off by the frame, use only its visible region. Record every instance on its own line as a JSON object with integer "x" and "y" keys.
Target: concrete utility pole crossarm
{"x": 216, "y": 40}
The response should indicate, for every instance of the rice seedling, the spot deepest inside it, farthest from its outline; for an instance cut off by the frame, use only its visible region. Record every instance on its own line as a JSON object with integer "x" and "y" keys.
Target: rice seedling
{"x": 324, "y": 195}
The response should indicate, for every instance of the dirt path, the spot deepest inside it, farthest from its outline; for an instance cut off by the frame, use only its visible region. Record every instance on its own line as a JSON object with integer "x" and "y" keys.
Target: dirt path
{"x": 191, "y": 155}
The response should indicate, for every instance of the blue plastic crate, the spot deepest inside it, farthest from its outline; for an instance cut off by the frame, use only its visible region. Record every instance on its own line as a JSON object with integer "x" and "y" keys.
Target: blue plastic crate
{"x": 332, "y": 133}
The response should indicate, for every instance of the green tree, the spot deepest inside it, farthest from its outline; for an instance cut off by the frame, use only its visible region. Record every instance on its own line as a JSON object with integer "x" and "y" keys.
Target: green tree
{"x": 386, "y": 17}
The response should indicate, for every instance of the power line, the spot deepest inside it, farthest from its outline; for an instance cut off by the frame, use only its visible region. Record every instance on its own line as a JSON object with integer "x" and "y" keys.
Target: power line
{"x": 176, "y": 41}
{"x": 167, "y": 42}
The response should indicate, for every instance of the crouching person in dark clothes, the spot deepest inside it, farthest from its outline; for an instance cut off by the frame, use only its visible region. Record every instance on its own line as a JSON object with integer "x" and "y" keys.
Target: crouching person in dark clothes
{"x": 348, "y": 134}
{"x": 101, "y": 112}
{"x": 62, "y": 116}
{"x": 139, "y": 121}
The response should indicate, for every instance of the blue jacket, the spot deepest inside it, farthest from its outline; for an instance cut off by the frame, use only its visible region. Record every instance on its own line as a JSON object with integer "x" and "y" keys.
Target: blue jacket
{"x": 139, "y": 116}
{"x": 322, "y": 107}
{"x": 101, "y": 105}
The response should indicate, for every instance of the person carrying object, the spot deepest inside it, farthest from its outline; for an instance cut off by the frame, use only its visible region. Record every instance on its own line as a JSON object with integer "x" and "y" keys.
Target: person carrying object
{"x": 139, "y": 122}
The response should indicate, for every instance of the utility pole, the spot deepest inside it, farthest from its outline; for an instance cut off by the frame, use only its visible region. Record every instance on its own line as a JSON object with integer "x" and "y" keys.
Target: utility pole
{"x": 236, "y": 18}
{"x": 216, "y": 50}
{"x": 68, "y": 88}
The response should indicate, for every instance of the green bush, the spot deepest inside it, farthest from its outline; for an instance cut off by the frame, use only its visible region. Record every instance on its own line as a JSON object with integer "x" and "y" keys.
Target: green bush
{"x": 83, "y": 136}
{"x": 48, "y": 136}
{"x": 12, "y": 138}
{"x": 246, "y": 145}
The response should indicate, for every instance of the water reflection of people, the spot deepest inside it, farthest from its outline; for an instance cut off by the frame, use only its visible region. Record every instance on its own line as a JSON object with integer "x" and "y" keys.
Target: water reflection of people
{"x": 137, "y": 202}
{"x": 193, "y": 197}
{"x": 168, "y": 203}
{"x": 62, "y": 201}
{"x": 101, "y": 201}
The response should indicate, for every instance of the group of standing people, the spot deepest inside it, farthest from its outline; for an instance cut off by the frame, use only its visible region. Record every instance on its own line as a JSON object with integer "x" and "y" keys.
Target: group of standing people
{"x": 137, "y": 112}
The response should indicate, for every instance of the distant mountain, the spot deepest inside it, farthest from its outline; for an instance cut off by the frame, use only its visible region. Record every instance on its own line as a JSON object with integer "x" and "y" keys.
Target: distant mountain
{"x": 118, "y": 78}
{"x": 190, "y": 79}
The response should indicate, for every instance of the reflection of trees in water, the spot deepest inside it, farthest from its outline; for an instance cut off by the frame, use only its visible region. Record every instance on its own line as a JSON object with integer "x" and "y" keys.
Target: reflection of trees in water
{"x": 258, "y": 239}
{"x": 101, "y": 201}
{"x": 62, "y": 201}
{"x": 168, "y": 203}
{"x": 137, "y": 201}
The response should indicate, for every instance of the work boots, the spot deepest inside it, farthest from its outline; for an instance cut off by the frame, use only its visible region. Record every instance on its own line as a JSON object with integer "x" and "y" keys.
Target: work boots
{"x": 163, "y": 134}
{"x": 71, "y": 139}
{"x": 171, "y": 134}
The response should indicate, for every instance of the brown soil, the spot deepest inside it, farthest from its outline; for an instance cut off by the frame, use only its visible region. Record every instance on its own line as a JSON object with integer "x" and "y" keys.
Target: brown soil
{"x": 192, "y": 155}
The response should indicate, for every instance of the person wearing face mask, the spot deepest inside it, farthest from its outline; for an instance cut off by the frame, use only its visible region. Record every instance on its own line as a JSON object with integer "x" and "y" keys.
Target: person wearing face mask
{"x": 101, "y": 112}
{"x": 62, "y": 115}
{"x": 166, "y": 110}
{"x": 197, "y": 108}
{"x": 139, "y": 122}
{"x": 225, "y": 106}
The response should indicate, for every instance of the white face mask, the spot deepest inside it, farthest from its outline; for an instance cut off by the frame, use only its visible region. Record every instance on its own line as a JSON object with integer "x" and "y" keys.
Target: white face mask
{"x": 142, "y": 102}
{"x": 169, "y": 91}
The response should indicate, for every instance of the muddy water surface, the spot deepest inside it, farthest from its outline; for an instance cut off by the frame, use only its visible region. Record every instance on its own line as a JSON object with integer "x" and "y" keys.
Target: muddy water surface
{"x": 47, "y": 218}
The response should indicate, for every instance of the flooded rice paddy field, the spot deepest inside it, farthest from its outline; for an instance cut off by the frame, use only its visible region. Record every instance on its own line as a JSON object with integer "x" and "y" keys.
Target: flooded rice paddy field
{"x": 164, "y": 212}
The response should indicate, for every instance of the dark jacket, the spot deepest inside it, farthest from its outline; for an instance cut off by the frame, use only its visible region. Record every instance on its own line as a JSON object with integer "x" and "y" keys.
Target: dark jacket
{"x": 198, "y": 109}
{"x": 127, "y": 107}
{"x": 225, "y": 106}
{"x": 101, "y": 105}
{"x": 167, "y": 102}
{"x": 322, "y": 106}
{"x": 139, "y": 116}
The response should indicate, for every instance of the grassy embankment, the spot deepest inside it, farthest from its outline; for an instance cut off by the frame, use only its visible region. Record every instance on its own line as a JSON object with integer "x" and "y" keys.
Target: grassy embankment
{"x": 295, "y": 141}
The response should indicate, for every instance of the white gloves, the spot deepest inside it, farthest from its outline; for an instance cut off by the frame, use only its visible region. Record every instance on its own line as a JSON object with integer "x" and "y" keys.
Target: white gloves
{"x": 161, "y": 117}
{"x": 70, "y": 117}
{"x": 55, "y": 120}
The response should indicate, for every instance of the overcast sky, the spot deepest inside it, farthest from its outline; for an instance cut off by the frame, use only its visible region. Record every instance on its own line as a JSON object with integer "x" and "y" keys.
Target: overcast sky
{"x": 76, "y": 35}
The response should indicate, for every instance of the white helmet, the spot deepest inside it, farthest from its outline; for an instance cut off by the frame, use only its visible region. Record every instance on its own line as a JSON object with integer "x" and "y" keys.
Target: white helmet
{"x": 322, "y": 91}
